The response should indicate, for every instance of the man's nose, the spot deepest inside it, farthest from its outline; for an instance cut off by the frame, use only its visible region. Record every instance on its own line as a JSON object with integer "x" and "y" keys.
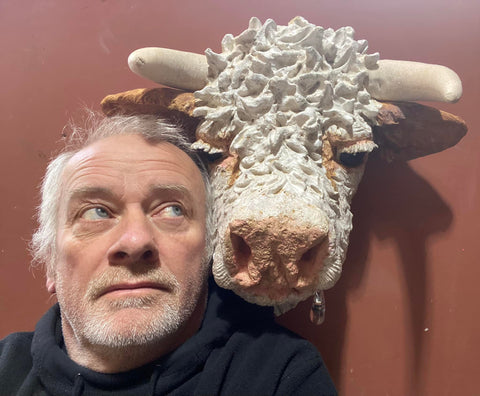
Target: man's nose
{"x": 135, "y": 242}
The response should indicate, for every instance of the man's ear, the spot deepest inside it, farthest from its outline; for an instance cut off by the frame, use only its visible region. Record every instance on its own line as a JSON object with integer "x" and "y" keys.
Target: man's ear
{"x": 50, "y": 285}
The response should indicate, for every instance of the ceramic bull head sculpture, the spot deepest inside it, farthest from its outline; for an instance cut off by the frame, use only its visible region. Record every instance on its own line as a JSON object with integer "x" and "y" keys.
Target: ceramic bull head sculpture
{"x": 290, "y": 114}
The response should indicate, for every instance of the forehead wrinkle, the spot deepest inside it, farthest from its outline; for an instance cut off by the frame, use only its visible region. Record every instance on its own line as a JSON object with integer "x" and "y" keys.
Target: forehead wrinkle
{"x": 90, "y": 166}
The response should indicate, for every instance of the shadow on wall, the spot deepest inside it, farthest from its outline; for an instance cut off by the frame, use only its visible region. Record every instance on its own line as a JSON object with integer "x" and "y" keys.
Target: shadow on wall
{"x": 383, "y": 207}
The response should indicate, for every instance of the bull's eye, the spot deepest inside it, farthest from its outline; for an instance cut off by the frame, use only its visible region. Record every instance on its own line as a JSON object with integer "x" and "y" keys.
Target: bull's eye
{"x": 353, "y": 154}
{"x": 352, "y": 160}
{"x": 214, "y": 157}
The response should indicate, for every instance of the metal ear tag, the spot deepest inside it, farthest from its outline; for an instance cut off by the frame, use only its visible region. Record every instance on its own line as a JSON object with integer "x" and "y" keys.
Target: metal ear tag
{"x": 317, "y": 311}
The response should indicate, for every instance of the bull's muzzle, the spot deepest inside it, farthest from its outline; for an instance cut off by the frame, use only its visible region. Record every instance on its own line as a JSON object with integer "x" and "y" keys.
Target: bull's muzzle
{"x": 273, "y": 257}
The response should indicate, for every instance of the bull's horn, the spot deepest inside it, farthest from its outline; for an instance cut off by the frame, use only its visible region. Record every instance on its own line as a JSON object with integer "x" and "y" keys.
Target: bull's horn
{"x": 176, "y": 69}
{"x": 392, "y": 81}
{"x": 412, "y": 81}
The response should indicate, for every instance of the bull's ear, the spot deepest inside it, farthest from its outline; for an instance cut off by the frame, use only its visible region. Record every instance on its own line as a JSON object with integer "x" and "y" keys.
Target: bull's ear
{"x": 408, "y": 130}
{"x": 173, "y": 105}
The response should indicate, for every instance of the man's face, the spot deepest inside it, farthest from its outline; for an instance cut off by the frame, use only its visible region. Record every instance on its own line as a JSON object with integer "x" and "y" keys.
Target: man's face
{"x": 130, "y": 244}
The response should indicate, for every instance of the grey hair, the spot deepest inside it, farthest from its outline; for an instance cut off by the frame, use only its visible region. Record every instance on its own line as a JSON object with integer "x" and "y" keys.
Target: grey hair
{"x": 97, "y": 127}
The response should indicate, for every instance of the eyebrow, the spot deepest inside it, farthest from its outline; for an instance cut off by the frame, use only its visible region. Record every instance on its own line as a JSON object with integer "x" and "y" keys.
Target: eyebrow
{"x": 87, "y": 191}
{"x": 106, "y": 193}
{"x": 161, "y": 189}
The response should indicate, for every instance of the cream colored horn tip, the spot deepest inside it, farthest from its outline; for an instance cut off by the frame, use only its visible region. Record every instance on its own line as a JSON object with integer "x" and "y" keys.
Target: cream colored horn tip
{"x": 173, "y": 68}
{"x": 136, "y": 60}
{"x": 452, "y": 86}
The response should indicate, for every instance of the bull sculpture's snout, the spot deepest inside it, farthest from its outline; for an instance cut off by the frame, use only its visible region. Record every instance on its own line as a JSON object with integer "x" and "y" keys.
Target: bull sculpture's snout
{"x": 276, "y": 255}
{"x": 281, "y": 247}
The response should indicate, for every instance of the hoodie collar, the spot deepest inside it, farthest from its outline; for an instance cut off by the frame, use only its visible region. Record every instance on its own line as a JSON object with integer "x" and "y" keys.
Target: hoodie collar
{"x": 60, "y": 375}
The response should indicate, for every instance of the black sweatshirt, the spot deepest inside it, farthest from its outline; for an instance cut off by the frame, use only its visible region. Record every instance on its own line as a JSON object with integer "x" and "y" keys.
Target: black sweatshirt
{"x": 239, "y": 350}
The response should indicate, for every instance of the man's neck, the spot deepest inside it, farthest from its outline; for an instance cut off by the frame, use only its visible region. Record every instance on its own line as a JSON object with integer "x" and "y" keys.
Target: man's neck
{"x": 104, "y": 359}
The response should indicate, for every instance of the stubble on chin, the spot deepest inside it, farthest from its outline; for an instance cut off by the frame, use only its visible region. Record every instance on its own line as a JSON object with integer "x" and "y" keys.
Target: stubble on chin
{"x": 130, "y": 321}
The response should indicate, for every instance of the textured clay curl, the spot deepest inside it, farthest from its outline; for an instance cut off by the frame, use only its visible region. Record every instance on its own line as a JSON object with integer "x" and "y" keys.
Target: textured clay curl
{"x": 283, "y": 102}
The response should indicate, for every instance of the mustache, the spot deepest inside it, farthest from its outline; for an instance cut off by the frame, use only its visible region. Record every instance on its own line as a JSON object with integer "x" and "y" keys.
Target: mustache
{"x": 122, "y": 275}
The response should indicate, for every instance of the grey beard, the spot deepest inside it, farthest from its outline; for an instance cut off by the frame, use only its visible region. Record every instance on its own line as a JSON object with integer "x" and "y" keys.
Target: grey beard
{"x": 104, "y": 332}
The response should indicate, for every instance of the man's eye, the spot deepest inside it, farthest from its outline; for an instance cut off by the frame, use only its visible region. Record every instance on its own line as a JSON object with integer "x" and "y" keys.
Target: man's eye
{"x": 96, "y": 213}
{"x": 173, "y": 211}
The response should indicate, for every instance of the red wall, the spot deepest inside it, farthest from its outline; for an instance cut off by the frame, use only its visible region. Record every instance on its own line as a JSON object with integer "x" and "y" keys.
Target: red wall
{"x": 404, "y": 318}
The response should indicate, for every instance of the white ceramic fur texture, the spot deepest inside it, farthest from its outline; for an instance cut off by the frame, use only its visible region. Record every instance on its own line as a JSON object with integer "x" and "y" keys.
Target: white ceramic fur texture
{"x": 283, "y": 102}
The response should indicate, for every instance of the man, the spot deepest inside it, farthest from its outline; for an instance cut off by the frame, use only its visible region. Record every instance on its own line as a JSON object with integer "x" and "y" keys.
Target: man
{"x": 125, "y": 235}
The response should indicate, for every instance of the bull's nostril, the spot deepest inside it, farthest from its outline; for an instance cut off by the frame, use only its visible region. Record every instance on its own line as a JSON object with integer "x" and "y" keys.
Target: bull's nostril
{"x": 241, "y": 251}
{"x": 309, "y": 257}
